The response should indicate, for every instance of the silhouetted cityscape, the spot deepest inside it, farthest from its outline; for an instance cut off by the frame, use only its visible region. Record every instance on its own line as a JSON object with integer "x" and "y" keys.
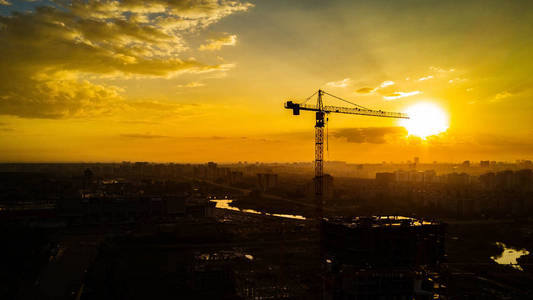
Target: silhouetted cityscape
{"x": 142, "y": 230}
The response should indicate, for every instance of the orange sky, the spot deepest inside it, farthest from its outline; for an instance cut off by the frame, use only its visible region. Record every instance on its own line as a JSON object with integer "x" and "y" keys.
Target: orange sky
{"x": 196, "y": 81}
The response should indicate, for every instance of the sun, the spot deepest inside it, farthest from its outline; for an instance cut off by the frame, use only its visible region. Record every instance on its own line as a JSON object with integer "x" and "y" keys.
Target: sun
{"x": 425, "y": 119}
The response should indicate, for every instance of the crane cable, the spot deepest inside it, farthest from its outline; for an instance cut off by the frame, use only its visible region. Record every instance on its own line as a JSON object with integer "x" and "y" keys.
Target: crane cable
{"x": 345, "y": 100}
{"x": 307, "y": 99}
{"x": 327, "y": 136}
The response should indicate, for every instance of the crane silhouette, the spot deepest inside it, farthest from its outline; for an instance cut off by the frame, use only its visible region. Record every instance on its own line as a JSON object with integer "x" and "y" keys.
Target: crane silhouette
{"x": 321, "y": 110}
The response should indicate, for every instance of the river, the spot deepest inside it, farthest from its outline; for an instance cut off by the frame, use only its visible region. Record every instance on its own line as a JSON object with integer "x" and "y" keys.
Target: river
{"x": 509, "y": 256}
{"x": 225, "y": 204}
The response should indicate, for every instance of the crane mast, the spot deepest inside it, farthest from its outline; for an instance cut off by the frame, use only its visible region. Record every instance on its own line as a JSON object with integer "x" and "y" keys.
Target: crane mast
{"x": 319, "y": 153}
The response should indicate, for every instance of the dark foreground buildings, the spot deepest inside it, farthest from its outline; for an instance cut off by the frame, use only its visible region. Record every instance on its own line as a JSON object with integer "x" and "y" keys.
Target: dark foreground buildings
{"x": 382, "y": 258}
{"x": 87, "y": 236}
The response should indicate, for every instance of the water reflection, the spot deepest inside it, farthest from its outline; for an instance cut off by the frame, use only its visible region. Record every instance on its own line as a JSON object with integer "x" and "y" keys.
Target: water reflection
{"x": 509, "y": 256}
{"x": 225, "y": 204}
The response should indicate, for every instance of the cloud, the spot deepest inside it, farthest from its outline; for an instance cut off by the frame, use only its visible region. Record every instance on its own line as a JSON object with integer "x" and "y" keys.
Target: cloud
{"x": 156, "y": 111}
{"x": 425, "y": 78}
{"x": 365, "y": 90}
{"x": 134, "y": 122}
{"x": 54, "y": 99}
{"x": 142, "y": 136}
{"x": 386, "y": 83}
{"x": 398, "y": 95}
{"x": 217, "y": 43}
{"x": 5, "y": 127}
{"x": 441, "y": 73}
{"x": 441, "y": 70}
{"x": 500, "y": 96}
{"x": 372, "y": 135}
{"x": 341, "y": 83}
{"x": 158, "y": 105}
{"x": 457, "y": 80}
{"x": 52, "y": 55}
{"x": 171, "y": 15}
{"x": 504, "y": 143}
{"x": 191, "y": 84}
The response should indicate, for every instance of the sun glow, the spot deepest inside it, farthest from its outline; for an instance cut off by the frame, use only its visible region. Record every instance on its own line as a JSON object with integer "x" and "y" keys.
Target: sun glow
{"x": 425, "y": 119}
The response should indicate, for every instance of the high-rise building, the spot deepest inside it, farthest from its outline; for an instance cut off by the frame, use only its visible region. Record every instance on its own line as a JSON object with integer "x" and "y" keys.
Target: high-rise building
{"x": 266, "y": 181}
{"x": 385, "y": 178}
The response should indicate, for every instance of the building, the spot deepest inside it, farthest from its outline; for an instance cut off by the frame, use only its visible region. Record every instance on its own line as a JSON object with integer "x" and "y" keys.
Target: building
{"x": 235, "y": 177}
{"x": 458, "y": 179}
{"x": 328, "y": 188}
{"x": 266, "y": 181}
{"x": 388, "y": 257}
{"x": 93, "y": 208}
{"x": 211, "y": 170}
{"x": 385, "y": 178}
{"x": 430, "y": 176}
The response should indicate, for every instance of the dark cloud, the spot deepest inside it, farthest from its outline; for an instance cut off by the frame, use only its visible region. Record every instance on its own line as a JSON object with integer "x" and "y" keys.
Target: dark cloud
{"x": 506, "y": 143}
{"x": 5, "y": 127}
{"x": 143, "y": 136}
{"x": 372, "y": 135}
{"x": 139, "y": 122}
{"x": 51, "y": 99}
{"x": 365, "y": 90}
{"x": 241, "y": 138}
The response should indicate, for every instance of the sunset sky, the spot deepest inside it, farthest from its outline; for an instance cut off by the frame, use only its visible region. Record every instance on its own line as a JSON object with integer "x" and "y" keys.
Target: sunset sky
{"x": 197, "y": 81}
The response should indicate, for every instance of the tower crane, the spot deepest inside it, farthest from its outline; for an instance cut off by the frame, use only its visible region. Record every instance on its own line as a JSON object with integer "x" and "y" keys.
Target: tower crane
{"x": 321, "y": 111}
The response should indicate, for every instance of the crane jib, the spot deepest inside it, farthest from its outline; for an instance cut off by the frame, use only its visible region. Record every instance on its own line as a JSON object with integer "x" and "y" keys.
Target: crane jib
{"x": 296, "y": 107}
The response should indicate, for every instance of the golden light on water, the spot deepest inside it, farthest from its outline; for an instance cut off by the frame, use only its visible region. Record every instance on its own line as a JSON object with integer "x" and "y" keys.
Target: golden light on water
{"x": 426, "y": 119}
